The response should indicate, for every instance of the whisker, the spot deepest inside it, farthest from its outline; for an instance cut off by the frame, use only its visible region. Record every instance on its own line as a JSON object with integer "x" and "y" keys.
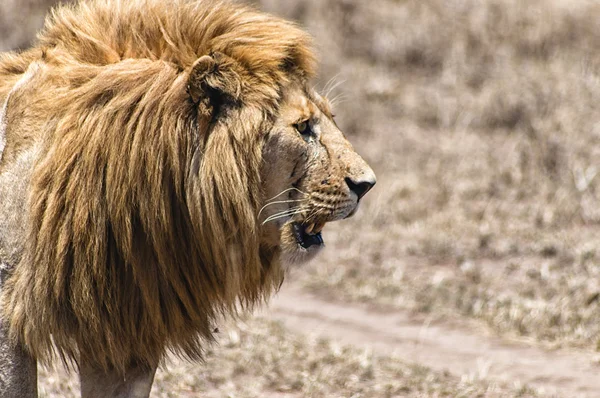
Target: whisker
{"x": 281, "y": 216}
{"x": 287, "y": 190}
{"x": 287, "y": 213}
{"x": 330, "y": 83}
{"x": 283, "y": 212}
{"x": 333, "y": 87}
{"x": 338, "y": 99}
{"x": 280, "y": 201}
{"x": 286, "y": 210}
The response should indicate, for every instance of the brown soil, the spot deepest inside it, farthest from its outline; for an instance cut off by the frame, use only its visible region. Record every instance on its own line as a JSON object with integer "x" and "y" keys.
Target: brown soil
{"x": 446, "y": 347}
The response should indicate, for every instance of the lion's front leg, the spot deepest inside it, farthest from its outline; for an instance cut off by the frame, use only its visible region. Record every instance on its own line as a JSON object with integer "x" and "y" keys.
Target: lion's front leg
{"x": 18, "y": 371}
{"x": 136, "y": 383}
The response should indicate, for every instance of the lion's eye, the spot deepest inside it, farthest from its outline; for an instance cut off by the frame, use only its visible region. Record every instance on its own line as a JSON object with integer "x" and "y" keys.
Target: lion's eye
{"x": 303, "y": 128}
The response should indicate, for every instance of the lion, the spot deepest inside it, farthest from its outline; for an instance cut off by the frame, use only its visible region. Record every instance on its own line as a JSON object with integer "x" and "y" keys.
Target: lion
{"x": 161, "y": 164}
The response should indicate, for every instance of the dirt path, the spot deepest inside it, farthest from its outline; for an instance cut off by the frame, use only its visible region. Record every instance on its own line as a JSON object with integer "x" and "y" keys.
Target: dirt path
{"x": 461, "y": 352}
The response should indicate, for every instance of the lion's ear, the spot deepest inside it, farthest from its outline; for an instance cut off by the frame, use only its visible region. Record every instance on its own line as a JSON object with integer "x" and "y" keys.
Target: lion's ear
{"x": 215, "y": 78}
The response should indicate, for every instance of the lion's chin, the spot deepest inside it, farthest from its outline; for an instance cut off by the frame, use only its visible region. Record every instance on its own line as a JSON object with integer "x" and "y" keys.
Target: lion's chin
{"x": 299, "y": 246}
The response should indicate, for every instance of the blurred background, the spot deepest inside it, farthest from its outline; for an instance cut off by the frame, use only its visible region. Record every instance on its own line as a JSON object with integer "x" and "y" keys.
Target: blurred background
{"x": 472, "y": 268}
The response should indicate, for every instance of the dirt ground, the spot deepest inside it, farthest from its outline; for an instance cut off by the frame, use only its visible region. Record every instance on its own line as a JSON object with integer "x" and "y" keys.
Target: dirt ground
{"x": 472, "y": 268}
{"x": 460, "y": 348}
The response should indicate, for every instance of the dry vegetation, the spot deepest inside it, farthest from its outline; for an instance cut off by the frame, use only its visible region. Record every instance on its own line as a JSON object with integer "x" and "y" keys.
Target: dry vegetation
{"x": 480, "y": 118}
{"x": 259, "y": 358}
{"x": 20, "y": 20}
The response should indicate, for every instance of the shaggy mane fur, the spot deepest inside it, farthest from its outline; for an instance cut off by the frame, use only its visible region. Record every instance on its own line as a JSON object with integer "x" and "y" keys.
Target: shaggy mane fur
{"x": 141, "y": 215}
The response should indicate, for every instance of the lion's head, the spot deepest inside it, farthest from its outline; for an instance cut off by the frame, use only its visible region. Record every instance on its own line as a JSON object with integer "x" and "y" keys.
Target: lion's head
{"x": 311, "y": 175}
{"x": 183, "y": 159}
{"x": 309, "y": 172}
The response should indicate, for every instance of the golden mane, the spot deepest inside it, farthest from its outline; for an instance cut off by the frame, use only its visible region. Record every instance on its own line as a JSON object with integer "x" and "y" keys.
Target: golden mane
{"x": 142, "y": 210}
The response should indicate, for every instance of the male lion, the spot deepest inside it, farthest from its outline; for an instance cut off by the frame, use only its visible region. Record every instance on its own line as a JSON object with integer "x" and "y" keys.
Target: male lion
{"x": 159, "y": 162}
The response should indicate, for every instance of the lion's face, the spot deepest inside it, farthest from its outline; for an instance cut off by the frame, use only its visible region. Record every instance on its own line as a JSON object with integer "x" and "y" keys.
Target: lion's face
{"x": 311, "y": 176}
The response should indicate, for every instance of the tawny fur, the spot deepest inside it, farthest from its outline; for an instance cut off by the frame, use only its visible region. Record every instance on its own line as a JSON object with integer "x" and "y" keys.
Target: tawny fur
{"x": 140, "y": 225}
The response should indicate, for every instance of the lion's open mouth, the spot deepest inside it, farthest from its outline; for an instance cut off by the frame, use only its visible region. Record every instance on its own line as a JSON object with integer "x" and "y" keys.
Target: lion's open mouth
{"x": 308, "y": 235}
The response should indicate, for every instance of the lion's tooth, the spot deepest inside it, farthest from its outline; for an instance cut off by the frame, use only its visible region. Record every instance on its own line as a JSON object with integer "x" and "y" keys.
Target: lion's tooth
{"x": 319, "y": 228}
{"x": 310, "y": 228}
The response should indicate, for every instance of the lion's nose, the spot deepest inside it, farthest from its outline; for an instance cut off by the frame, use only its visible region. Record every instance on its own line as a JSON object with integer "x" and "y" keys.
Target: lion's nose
{"x": 360, "y": 186}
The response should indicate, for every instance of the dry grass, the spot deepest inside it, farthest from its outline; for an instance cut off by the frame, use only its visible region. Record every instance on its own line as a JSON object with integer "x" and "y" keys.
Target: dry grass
{"x": 259, "y": 358}
{"x": 20, "y": 20}
{"x": 480, "y": 118}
